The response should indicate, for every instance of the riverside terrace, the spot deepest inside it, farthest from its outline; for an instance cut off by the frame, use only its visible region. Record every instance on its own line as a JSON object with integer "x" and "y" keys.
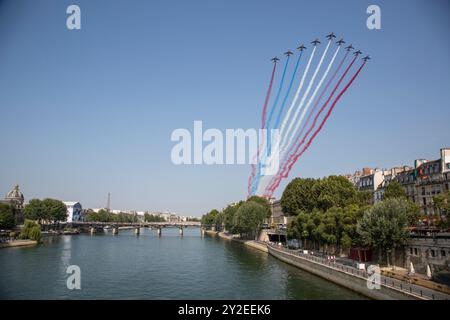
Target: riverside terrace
{"x": 93, "y": 227}
{"x": 353, "y": 278}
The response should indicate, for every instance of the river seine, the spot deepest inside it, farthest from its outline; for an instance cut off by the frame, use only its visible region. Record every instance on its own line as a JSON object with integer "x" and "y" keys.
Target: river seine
{"x": 127, "y": 266}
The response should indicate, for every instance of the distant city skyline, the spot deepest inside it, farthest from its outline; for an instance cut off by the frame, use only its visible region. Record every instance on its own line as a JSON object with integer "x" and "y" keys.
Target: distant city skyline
{"x": 87, "y": 112}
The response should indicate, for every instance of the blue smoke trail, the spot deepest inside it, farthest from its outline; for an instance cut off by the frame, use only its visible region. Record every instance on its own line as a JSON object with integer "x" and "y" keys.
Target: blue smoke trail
{"x": 280, "y": 113}
{"x": 269, "y": 118}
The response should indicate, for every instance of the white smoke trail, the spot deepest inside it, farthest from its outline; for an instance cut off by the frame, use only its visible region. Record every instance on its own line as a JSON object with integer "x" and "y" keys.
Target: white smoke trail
{"x": 288, "y": 114}
{"x": 286, "y": 117}
{"x": 311, "y": 99}
{"x": 311, "y": 82}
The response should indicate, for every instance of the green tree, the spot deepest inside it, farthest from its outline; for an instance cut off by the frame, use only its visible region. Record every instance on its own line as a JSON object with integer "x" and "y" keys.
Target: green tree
{"x": 103, "y": 216}
{"x": 442, "y": 206}
{"x": 91, "y": 216}
{"x": 208, "y": 220}
{"x": 334, "y": 191}
{"x": 394, "y": 190}
{"x": 219, "y": 221}
{"x": 308, "y": 194}
{"x": 6, "y": 216}
{"x": 299, "y": 194}
{"x": 264, "y": 202}
{"x": 31, "y": 230}
{"x": 55, "y": 210}
{"x": 228, "y": 216}
{"x": 249, "y": 218}
{"x": 152, "y": 218}
{"x": 364, "y": 198}
{"x": 35, "y": 210}
{"x": 384, "y": 227}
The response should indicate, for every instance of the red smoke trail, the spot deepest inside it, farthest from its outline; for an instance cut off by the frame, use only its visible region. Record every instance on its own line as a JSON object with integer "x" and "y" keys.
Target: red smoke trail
{"x": 297, "y": 155}
{"x": 291, "y": 148}
{"x": 263, "y": 125}
{"x": 282, "y": 173}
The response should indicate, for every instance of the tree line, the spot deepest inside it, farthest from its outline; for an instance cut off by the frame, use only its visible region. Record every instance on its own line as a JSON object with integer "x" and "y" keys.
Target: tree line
{"x": 331, "y": 215}
{"x": 245, "y": 218}
{"x": 104, "y": 216}
{"x": 47, "y": 210}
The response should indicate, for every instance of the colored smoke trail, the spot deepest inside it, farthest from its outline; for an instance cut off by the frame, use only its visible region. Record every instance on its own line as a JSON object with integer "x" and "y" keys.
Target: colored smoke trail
{"x": 284, "y": 146}
{"x": 283, "y": 173}
{"x": 302, "y": 101}
{"x": 299, "y": 89}
{"x": 311, "y": 99}
{"x": 316, "y": 103}
{"x": 266, "y": 101}
{"x": 297, "y": 94}
{"x": 297, "y": 155}
{"x": 283, "y": 104}
{"x": 269, "y": 118}
{"x": 263, "y": 124}
{"x": 277, "y": 98}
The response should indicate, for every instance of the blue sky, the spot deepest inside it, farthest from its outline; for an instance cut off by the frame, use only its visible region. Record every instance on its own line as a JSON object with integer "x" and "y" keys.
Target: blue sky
{"x": 88, "y": 112}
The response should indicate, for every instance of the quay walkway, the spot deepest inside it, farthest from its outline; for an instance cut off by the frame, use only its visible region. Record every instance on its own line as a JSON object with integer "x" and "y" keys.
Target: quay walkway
{"x": 326, "y": 267}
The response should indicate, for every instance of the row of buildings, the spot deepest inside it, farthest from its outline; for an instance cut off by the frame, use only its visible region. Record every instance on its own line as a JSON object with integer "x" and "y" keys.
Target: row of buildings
{"x": 421, "y": 182}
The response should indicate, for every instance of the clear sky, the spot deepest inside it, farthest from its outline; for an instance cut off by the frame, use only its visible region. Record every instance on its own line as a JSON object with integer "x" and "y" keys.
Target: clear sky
{"x": 88, "y": 112}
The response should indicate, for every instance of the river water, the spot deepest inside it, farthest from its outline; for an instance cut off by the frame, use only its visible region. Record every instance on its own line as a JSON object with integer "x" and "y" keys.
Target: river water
{"x": 127, "y": 266}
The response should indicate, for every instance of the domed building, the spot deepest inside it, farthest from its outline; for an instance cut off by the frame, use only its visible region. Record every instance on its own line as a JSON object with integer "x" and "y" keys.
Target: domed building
{"x": 16, "y": 198}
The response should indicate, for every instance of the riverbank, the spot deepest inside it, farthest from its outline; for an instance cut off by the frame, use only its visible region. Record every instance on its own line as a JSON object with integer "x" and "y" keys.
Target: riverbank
{"x": 18, "y": 243}
{"x": 250, "y": 243}
{"x": 354, "y": 279}
{"x": 345, "y": 276}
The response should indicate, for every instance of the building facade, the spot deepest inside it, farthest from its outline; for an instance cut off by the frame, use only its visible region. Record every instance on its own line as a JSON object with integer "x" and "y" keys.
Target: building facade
{"x": 16, "y": 199}
{"x": 74, "y": 211}
{"x": 421, "y": 183}
{"x": 432, "y": 251}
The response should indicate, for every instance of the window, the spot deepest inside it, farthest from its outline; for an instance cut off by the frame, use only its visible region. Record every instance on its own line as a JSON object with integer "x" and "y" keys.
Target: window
{"x": 424, "y": 201}
{"x": 415, "y": 251}
{"x": 423, "y": 191}
{"x": 432, "y": 253}
{"x": 443, "y": 253}
{"x": 411, "y": 250}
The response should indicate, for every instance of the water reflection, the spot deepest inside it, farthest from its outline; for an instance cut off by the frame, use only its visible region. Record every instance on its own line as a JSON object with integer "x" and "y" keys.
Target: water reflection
{"x": 151, "y": 267}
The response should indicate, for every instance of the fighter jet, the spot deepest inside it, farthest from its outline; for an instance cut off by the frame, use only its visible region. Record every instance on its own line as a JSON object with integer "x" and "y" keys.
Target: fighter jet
{"x": 289, "y": 53}
{"x": 315, "y": 42}
{"x": 301, "y": 48}
{"x": 275, "y": 59}
{"x": 366, "y": 58}
{"x": 349, "y": 48}
{"x": 340, "y": 42}
{"x": 331, "y": 36}
{"x": 357, "y": 53}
